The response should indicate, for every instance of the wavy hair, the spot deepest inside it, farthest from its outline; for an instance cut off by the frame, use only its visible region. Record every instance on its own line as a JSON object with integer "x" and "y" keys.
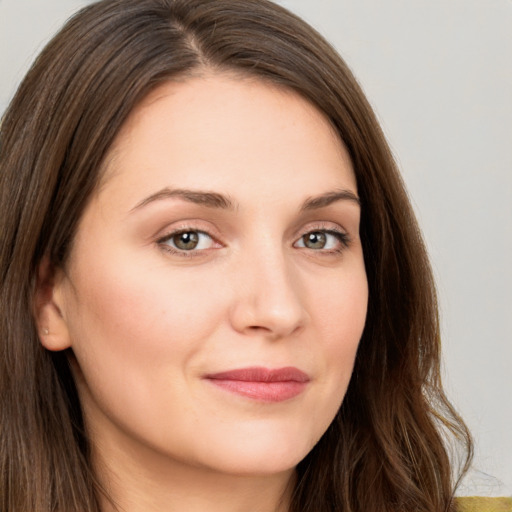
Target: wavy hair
{"x": 388, "y": 446}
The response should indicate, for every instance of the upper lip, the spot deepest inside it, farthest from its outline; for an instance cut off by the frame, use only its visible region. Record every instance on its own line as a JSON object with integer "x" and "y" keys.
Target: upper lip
{"x": 261, "y": 374}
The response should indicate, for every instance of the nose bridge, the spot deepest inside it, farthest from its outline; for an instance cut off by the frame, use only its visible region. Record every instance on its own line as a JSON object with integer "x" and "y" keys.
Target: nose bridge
{"x": 268, "y": 299}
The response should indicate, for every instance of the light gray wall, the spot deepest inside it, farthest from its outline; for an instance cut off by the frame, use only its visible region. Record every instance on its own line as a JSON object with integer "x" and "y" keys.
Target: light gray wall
{"x": 439, "y": 74}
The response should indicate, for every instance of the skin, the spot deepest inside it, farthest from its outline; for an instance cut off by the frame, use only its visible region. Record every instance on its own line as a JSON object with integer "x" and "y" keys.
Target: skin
{"x": 147, "y": 322}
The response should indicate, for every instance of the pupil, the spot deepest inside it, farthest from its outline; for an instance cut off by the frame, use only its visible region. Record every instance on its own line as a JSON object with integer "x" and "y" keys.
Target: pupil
{"x": 187, "y": 240}
{"x": 315, "y": 240}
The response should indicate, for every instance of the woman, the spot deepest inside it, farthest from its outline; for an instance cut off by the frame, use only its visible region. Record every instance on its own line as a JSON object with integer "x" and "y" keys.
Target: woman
{"x": 214, "y": 292}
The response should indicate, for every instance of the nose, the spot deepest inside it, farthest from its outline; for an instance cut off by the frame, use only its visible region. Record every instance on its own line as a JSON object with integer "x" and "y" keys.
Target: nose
{"x": 268, "y": 300}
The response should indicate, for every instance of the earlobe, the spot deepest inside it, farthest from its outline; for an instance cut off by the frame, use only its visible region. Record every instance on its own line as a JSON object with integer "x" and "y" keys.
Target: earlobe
{"x": 48, "y": 308}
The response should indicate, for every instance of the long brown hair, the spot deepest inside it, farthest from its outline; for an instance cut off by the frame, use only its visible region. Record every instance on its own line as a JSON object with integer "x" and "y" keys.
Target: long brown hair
{"x": 386, "y": 450}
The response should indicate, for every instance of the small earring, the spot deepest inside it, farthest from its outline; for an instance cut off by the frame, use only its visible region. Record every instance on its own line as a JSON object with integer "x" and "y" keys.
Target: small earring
{"x": 46, "y": 331}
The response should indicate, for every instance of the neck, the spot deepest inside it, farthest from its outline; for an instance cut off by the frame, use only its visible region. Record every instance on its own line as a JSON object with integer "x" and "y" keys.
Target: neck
{"x": 159, "y": 484}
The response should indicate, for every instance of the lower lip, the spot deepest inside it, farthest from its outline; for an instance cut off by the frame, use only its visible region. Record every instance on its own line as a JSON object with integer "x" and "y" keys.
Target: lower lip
{"x": 262, "y": 391}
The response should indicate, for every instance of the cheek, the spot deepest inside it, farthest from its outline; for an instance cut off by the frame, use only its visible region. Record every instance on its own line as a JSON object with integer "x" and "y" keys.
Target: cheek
{"x": 137, "y": 308}
{"x": 339, "y": 318}
{"x": 135, "y": 329}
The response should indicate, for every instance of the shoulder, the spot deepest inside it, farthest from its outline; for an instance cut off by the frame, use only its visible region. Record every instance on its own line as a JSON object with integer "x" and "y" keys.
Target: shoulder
{"x": 478, "y": 504}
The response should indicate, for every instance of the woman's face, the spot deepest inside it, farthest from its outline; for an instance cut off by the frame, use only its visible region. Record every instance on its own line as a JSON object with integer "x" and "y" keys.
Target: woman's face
{"x": 216, "y": 291}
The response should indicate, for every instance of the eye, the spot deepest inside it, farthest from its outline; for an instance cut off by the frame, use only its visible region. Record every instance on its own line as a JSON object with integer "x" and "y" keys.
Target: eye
{"x": 327, "y": 240}
{"x": 189, "y": 240}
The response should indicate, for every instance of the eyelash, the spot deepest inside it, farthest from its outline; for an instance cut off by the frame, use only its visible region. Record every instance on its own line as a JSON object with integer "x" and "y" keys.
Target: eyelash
{"x": 181, "y": 252}
{"x": 342, "y": 237}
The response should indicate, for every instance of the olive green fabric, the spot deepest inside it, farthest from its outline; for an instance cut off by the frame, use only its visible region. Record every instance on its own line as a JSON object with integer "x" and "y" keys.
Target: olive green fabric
{"x": 478, "y": 504}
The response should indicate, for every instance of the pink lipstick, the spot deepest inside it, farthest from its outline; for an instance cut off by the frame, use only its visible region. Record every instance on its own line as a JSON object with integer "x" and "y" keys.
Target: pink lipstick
{"x": 262, "y": 384}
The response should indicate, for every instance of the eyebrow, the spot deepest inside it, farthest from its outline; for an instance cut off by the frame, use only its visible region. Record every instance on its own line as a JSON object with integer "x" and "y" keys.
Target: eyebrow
{"x": 324, "y": 200}
{"x": 209, "y": 199}
{"x": 216, "y": 200}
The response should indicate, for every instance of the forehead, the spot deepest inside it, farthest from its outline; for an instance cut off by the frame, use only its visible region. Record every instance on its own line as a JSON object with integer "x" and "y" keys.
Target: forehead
{"x": 227, "y": 132}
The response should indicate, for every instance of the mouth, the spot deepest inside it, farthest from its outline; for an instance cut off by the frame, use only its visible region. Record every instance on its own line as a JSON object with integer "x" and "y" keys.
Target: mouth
{"x": 262, "y": 384}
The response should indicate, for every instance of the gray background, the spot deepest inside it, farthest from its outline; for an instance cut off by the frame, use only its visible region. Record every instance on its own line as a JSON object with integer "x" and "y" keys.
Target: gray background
{"x": 439, "y": 75}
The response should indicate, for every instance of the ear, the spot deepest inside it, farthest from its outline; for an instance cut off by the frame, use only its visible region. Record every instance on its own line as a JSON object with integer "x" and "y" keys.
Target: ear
{"x": 48, "y": 305}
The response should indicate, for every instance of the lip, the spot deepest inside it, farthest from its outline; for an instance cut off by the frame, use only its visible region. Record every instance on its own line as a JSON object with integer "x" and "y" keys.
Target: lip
{"x": 262, "y": 384}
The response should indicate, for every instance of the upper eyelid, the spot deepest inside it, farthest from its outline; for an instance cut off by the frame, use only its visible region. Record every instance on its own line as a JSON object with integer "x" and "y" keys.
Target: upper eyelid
{"x": 322, "y": 226}
{"x": 187, "y": 225}
{"x": 175, "y": 232}
{"x": 316, "y": 225}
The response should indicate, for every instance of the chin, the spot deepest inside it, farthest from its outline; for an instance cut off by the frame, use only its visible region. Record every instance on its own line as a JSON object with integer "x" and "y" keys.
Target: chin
{"x": 258, "y": 453}
{"x": 255, "y": 465}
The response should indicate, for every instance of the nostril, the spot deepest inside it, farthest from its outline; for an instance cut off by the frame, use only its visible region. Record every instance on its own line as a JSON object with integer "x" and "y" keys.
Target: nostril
{"x": 273, "y": 332}
{"x": 258, "y": 328}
